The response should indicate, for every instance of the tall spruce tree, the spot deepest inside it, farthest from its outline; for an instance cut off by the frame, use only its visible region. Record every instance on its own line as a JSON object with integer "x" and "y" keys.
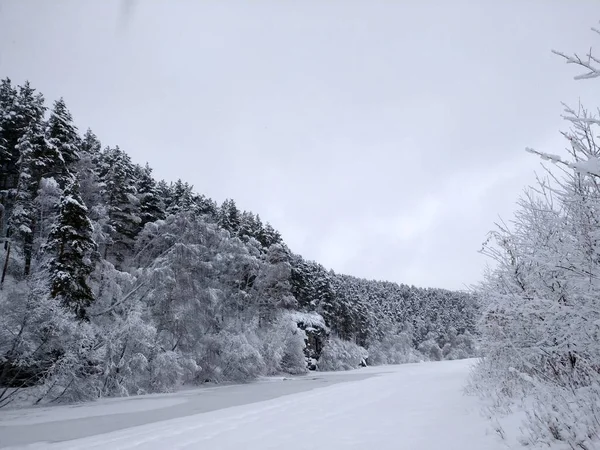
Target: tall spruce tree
{"x": 119, "y": 192}
{"x": 87, "y": 170}
{"x": 205, "y": 206}
{"x": 151, "y": 207}
{"x": 72, "y": 253}
{"x": 63, "y": 137}
{"x": 180, "y": 197}
{"x": 19, "y": 108}
{"x": 8, "y": 96}
{"x": 37, "y": 160}
{"x": 8, "y": 156}
{"x": 230, "y": 216}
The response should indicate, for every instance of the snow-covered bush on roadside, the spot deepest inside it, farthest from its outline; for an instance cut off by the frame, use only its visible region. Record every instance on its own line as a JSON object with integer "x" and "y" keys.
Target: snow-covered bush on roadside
{"x": 341, "y": 355}
{"x": 393, "y": 348}
{"x": 459, "y": 346}
{"x": 541, "y": 302}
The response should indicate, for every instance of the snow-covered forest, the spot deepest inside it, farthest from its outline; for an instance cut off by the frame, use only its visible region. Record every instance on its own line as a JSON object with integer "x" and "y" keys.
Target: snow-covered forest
{"x": 541, "y": 313}
{"x": 114, "y": 283}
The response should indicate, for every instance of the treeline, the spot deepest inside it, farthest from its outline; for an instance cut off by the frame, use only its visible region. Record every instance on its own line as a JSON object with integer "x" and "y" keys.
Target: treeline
{"x": 114, "y": 283}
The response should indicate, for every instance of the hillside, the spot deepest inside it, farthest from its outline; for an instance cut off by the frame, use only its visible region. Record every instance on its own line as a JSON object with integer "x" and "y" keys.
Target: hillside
{"x": 114, "y": 283}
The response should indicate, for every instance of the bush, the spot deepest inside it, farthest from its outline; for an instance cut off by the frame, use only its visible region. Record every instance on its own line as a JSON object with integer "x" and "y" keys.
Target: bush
{"x": 431, "y": 350}
{"x": 459, "y": 346}
{"x": 393, "y": 349}
{"x": 283, "y": 347}
{"x": 231, "y": 357}
{"x": 341, "y": 355}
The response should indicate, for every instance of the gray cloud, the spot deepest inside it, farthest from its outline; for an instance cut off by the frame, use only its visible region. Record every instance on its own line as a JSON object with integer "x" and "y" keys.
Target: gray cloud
{"x": 381, "y": 138}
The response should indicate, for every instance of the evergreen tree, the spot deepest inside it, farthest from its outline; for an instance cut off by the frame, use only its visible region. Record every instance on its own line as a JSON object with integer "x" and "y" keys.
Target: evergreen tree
{"x": 247, "y": 226}
{"x": 19, "y": 109}
{"x": 180, "y": 197}
{"x": 229, "y": 216}
{"x": 311, "y": 284}
{"x": 267, "y": 235}
{"x": 91, "y": 144}
{"x": 72, "y": 253}
{"x": 117, "y": 174}
{"x": 273, "y": 284}
{"x": 205, "y": 206}
{"x": 164, "y": 192}
{"x": 151, "y": 207}
{"x": 87, "y": 170}
{"x": 8, "y": 156}
{"x": 62, "y": 135}
{"x": 8, "y": 96}
{"x": 36, "y": 160}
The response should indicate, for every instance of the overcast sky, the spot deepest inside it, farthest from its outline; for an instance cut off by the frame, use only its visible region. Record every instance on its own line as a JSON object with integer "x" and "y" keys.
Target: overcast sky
{"x": 382, "y": 138}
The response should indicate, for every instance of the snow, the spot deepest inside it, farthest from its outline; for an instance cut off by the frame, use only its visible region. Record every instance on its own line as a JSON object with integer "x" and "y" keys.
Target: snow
{"x": 309, "y": 319}
{"x": 591, "y": 166}
{"x": 413, "y": 406}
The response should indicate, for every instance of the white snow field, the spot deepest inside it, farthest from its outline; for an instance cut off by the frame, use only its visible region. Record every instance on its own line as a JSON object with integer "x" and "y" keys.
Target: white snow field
{"x": 412, "y": 407}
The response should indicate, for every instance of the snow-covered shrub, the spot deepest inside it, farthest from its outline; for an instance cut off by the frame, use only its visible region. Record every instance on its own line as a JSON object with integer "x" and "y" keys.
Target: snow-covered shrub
{"x": 283, "y": 347}
{"x": 393, "y": 348}
{"x": 341, "y": 355}
{"x": 271, "y": 349}
{"x": 431, "y": 349}
{"x": 231, "y": 356}
{"x": 124, "y": 354}
{"x": 459, "y": 346}
{"x": 541, "y": 303}
{"x": 170, "y": 369}
{"x": 39, "y": 342}
{"x": 294, "y": 358}
{"x": 566, "y": 415}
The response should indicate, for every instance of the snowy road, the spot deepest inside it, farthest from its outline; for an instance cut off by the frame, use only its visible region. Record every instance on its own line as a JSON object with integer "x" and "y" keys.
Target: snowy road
{"x": 413, "y": 407}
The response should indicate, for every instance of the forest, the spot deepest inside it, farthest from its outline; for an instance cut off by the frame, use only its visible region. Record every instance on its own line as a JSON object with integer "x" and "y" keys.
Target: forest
{"x": 114, "y": 283}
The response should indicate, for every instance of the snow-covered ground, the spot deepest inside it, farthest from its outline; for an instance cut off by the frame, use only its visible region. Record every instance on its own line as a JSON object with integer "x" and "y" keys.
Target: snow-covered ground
{"x": 413, "y": 407}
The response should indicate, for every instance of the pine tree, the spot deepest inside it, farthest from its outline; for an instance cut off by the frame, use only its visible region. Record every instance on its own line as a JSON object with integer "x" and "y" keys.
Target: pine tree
{"x": 19, "y": 108}
{"x": 87, "y": 170}
{"x": 91, "y": 144}
{"x": 164, "y": 192}
{"x": 72, "y": 253}
{"x": 229, "y": 216}
{"x": 8, "y": 96}
{"x": 273, "y": 284}
{"x": 8, "y": 156}
{"x": 266, "y": 234}
{"x": 35, "y": 161}
{"x": 118, "y": 176}
{"x": 62, "y": 135}
{"x": 205, "y": 206}
{"x": 151, "y": 207}
{"x": 247, "y": 226}
{"x": 180, "y": 197}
